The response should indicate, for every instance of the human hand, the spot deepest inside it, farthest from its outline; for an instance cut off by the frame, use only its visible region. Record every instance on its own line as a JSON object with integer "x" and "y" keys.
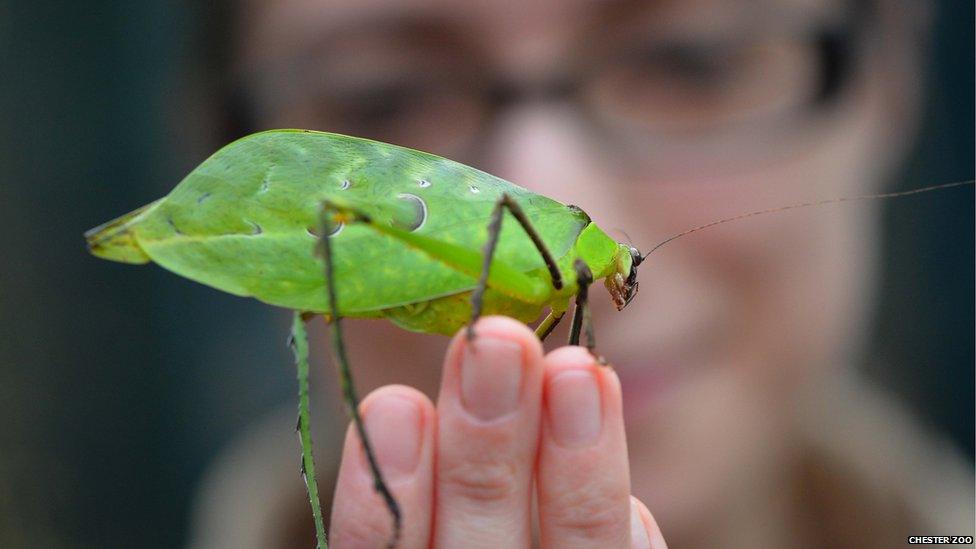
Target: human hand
{"x": 508, "y": 422}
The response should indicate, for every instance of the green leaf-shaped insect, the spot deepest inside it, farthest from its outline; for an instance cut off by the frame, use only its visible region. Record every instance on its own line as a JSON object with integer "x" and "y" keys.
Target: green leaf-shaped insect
{"x": 346, "y": 227}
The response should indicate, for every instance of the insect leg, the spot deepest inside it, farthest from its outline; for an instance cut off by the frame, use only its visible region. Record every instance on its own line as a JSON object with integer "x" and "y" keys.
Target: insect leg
{"x": 581, "y": 315}
{"x": 548, "y": 324}
{"x": 345, "y": 376}
{"x": 299, "y": 345}
{"x": 512, "y": 205}
{"x": 494, "y": 230}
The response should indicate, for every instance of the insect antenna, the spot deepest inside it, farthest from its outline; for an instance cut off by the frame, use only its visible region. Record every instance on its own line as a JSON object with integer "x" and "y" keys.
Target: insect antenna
{"x": 806, "y": 204}
{"x": 630, "y": 240}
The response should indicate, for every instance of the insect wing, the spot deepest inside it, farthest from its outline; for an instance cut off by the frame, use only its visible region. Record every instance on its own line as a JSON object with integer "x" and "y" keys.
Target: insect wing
{"x": 247, "y": 220}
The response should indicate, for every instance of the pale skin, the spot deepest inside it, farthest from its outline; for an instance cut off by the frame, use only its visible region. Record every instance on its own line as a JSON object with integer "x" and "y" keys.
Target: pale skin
{"x": 463, "y": 469}
{"x": 732, "y": 325}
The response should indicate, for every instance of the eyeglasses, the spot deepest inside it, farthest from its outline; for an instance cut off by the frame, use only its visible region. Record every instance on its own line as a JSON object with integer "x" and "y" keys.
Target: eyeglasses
{"x": 653, "y": 101}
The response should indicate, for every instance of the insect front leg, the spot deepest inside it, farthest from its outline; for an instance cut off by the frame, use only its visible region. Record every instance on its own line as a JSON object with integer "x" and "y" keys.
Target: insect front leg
{"x": 494, "y": 230}
{"x": 345, "y": 373}
{"x": 582, "y": 323}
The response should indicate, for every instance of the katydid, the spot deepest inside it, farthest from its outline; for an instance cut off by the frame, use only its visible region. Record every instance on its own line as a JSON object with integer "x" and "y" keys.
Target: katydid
{"x": 342, "y": 226}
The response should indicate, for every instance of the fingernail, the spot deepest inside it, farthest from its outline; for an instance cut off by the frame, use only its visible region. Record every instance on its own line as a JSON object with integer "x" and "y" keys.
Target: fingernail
{"x": 394, "y": 425}
{"x": 638, "y": 532}
{"x": 573, "y": 407}
{"x": 491, "y": 377}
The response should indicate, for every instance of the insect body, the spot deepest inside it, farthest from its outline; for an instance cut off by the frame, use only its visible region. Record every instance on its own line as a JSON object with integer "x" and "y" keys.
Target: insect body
{"x": 397, "y": 234}
{"x": 247, "y": 220}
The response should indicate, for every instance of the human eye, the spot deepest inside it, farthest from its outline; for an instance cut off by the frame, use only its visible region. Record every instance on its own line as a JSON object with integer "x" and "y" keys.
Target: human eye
{"x": 375, "y": 105}
{"x": 692, "y": 86}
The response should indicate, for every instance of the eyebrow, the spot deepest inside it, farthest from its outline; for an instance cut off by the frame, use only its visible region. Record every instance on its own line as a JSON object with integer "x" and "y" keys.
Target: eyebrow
{"x": 418, "y": 29}
{"x": 635, "y": 14}
{"x": 409, "y": 30}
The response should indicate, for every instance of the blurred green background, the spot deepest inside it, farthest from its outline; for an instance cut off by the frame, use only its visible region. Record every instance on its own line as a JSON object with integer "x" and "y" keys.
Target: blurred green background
{"x": 119, "y": 385}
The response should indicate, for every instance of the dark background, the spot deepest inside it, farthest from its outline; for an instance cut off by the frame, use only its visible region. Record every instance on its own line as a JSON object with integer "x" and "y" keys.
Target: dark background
{"x": 118, "y": 385}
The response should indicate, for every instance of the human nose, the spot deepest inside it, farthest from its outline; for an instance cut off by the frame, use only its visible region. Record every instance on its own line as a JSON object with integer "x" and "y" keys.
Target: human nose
{"x": 542, "y": 145}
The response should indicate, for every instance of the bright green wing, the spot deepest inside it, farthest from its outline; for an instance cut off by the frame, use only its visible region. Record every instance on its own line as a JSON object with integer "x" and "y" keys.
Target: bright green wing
{"x": 245, "y": 222}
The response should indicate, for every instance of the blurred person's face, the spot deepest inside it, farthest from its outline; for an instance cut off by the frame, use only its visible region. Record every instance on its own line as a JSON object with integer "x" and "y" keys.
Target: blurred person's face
{"x": 653, "y": 117}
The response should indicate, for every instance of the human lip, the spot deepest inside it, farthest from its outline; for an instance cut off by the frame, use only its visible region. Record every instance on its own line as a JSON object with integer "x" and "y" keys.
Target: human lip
{"x": 657, "y": 352}
{"x": 650, "y": 380}
{"x": 647, "y": 383}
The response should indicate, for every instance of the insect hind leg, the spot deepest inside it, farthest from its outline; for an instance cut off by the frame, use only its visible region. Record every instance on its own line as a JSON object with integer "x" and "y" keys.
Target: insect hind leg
{"x": 494, "y": 230}
{"x": 299, "y": 345}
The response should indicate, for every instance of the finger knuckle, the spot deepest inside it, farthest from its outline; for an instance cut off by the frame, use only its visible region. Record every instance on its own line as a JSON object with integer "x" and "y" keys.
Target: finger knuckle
{"x": 480, "y": 481}
{"x": 364, "y": 534}
{"x": 590, "y": 514}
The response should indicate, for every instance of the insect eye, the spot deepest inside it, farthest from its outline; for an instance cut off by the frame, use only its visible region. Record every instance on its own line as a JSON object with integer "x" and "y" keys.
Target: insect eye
{"x": 635, "y": 256}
